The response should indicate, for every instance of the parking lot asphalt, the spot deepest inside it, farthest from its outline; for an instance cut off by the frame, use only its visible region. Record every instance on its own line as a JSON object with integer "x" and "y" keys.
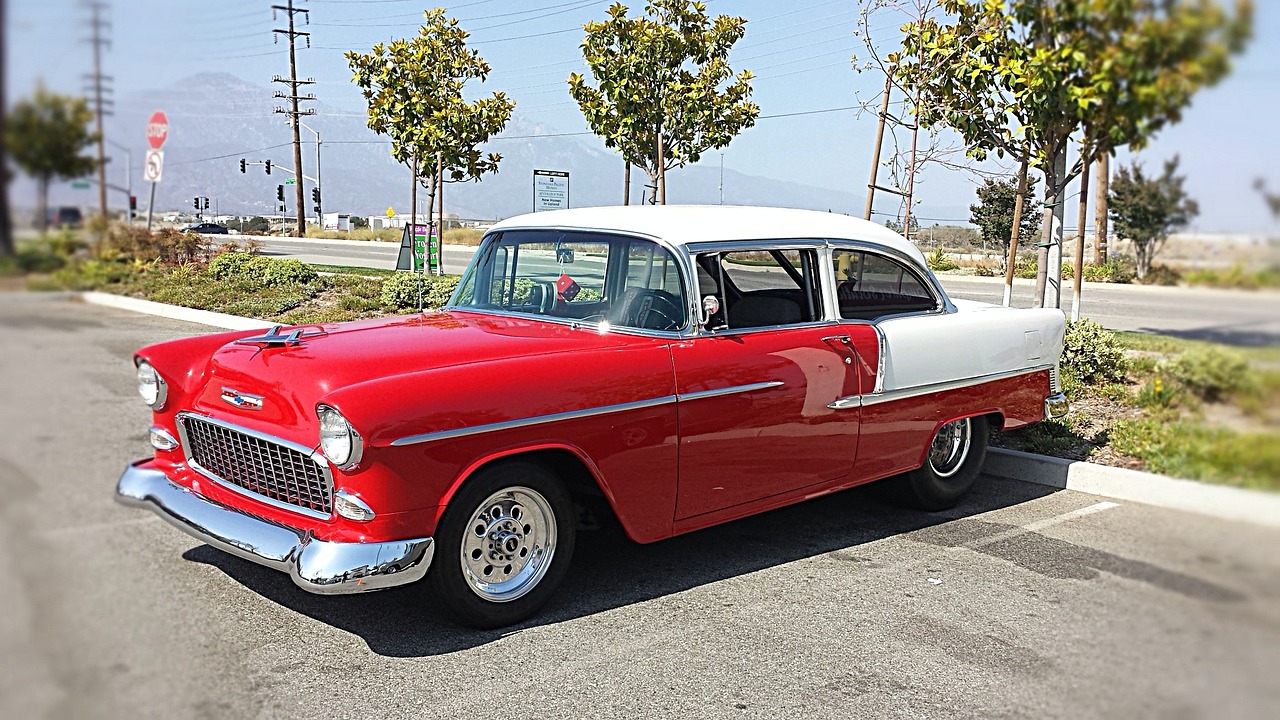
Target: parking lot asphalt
{"x": 1021, "y": 602}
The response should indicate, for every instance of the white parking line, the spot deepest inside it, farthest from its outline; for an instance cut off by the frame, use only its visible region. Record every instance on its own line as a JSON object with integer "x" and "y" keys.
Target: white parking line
{"x": 1042, "y": 524}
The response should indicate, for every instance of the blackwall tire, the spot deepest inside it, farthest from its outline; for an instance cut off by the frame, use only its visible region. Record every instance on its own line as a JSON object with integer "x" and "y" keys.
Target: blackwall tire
{"x": 503, "y": 545}
{"x": 952, "y": 464}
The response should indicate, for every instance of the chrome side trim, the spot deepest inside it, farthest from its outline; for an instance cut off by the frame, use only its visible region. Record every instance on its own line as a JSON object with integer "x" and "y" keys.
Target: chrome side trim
{"x": 314, "y": 455}
{"x": 536, "y": 420}
{"x": 702, "y": 394}
{"x": 317, "y": 566}
{"x": 851, "y": 401}
{"x": 883, "y": 347}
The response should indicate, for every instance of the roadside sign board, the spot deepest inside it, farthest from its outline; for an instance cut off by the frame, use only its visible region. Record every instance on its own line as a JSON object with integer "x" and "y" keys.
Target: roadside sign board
{"x": 419, "y": 250}
{"x": 550, "y": 190}
{"x": 153, "y": 168}
{"x": 290, "y": 181}
{"x": 157, "y": 130}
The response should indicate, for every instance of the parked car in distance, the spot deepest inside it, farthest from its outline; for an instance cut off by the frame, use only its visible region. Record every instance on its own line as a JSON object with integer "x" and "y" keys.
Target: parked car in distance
{"x": 65, "y": 216}
{"x": 205, "y": 228}
{"x": 676, "y": 367}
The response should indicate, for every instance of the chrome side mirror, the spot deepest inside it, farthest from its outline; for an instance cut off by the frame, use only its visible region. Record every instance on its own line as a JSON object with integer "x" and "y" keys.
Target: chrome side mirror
{"x": 710, "y": 306}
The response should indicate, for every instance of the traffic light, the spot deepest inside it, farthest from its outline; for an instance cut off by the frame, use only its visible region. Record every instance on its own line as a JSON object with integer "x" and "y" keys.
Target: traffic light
{"x": 268, "y": 167}
{"x": 241, "y": 166}
{"x": 195, "y": 202}
{"x": 206, "y": 203}
{"x": 280, "y": 193}
{"x": 133, "y": 206}
{"x": 315, "y": 197}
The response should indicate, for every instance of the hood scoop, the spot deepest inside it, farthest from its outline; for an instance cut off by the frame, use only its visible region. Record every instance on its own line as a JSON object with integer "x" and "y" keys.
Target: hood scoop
{"x": 274, "y": 338}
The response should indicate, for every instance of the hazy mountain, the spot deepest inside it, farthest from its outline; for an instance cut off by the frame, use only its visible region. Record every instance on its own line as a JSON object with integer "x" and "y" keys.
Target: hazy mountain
{"x": 217, "y": 119}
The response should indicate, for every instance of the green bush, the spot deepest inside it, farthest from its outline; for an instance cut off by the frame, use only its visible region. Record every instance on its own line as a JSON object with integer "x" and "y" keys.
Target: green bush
{"x": 1211, "y": 372}
{"x": 1093, "y": 354}
{"x": 1199, "y": 453}
{"x": 987, "y": 270}
{"x": 939, "y": 261}
{"x": 400, "y": 291}
{"x": 1162, "y": 275}
{"x": 1235, "y": 278}
{"x": 286, "y": 272}
{"x": 1157, "y": 393}
{"x": 1114, "y": 270}
{"x": 230, "y": 265}
{"x": 1025, "y": 268}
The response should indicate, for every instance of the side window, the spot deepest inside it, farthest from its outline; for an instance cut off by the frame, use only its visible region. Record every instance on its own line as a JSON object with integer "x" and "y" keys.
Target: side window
{"x": 763, "y": 288}
{"x": 652, "y": 295}
{"x": 870, "y": 286}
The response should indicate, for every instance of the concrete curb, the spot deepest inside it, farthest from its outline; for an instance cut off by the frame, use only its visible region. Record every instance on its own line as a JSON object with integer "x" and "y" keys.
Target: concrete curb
{"x": 1221, "y": 501}
{"x": 174, "y": 312}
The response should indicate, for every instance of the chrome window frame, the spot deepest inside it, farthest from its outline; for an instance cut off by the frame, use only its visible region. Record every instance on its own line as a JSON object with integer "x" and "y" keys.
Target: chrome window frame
{"x": 678, "y": 254}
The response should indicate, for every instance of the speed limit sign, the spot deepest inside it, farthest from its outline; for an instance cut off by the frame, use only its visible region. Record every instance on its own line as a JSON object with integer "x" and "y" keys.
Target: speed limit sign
{"x": 154, "y": 166}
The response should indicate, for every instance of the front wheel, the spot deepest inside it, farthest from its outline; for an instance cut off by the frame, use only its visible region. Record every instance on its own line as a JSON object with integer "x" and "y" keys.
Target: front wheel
{"x": 952, "y": 464}
{"x": 503, "y": 545}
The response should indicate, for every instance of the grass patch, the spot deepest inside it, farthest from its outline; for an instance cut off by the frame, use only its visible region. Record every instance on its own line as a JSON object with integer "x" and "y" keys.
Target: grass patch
{"x": 1192, "y": 451}
{"x": 1168, "y": 345}
{"x": 354, "y": 270}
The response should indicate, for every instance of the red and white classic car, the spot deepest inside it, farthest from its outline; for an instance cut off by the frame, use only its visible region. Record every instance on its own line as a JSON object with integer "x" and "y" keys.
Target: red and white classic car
{"x": 680, "y": 366}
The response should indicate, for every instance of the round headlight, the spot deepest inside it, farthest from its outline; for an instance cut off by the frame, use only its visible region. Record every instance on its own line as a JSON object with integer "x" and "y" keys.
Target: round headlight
{"x": 150, "y": 385}
{"x": 338, "y": 440}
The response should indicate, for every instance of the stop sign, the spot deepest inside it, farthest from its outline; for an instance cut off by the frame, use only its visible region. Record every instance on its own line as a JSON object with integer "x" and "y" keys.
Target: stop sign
{"x": 157, "y": 129}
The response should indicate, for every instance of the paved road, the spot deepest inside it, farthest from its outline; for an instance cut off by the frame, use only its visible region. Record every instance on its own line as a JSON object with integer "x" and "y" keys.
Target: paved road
{"x": 1022, "y": 602}
{"x": 1236, "y": 318}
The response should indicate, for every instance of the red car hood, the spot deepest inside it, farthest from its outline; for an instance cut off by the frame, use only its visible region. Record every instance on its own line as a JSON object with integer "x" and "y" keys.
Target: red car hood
{"x": 291, "y": 379}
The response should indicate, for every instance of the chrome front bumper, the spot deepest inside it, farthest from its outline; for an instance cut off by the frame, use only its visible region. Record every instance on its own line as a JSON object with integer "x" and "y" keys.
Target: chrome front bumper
{"x": 318, "y": 566}
{"x": 1056, "y": 406}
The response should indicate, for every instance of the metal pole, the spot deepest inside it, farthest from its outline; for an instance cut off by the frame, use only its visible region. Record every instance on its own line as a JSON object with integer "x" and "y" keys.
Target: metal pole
{"x": 875, "y": 154}
{"x": 721, "y": 178}
{"x": 151, "y": 206}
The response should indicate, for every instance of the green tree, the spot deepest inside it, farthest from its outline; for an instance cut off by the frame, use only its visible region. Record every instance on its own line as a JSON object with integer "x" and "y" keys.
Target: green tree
{"x": 664, "y": 90}
{"x": 1023, "y": 77}
{"x": 1145, "y": 210}
{"x": 45, "y": 136}
{"x": 897, "y": 226}
{"x": 414, "y": 90}
{"x": 993, "y": 214}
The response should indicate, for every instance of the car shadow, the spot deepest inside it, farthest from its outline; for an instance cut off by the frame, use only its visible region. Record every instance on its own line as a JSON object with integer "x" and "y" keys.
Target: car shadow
{"x": 609, "y": 571}
{"x": 1240, "y": 335}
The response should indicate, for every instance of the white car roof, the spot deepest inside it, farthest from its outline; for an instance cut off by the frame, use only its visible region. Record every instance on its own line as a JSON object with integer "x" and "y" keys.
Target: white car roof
{"x": 684, "y": 224}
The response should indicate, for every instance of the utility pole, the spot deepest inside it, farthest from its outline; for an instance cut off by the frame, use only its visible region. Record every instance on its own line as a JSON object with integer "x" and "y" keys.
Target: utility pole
{"x": 97, "y": 89}
{"x": 6, "y": 225}
{"x": 292, "y": 109}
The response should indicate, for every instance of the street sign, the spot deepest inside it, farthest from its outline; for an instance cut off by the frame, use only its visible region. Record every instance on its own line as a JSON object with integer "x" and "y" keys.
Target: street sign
{"x": 550, "y": 190}
{"x": 157, "y": 130}
{"x": 291, "y": 181}
{"x": 80, "y": 185}
{"x": 391, "y": 212}
{"x": 153, "y": 167}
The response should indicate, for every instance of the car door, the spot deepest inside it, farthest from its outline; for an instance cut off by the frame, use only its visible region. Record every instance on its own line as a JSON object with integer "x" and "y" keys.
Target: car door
{"x": 754, "y": 391}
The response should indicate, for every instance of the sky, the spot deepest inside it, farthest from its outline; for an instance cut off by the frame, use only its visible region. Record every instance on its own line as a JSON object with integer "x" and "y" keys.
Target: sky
{"x": 810, "y": 130}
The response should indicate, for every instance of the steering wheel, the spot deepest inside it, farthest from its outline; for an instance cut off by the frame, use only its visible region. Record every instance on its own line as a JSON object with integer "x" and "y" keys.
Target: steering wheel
{"x": 648, "y": 310}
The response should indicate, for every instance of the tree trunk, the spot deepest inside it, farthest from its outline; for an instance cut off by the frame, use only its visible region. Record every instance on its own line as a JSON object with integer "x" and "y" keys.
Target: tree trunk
{"x": 1047, "y": 260}
{"x": 1100, "y": 210}
{"x": 440, "y": 201}
{"x": 626, "y": 185}
{"x": 662, "y": 169}
{"x": 1077, "y": 274}
{"x": 42, "y": 204}
{"x": 413, "y": 203}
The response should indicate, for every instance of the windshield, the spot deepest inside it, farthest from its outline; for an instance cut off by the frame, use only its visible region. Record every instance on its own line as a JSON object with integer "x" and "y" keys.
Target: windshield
{"x": 624, "y": 282}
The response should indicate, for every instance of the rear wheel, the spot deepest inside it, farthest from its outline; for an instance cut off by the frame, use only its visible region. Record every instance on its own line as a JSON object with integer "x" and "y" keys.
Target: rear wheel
{"x": 503, "y": 545}
{"x": 952, "y": 464}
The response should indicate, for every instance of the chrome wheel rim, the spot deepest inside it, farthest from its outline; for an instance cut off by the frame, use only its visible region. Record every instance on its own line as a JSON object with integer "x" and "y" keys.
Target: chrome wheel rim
{"x": 508, "y": 545}
{"x": 950, "y": 448}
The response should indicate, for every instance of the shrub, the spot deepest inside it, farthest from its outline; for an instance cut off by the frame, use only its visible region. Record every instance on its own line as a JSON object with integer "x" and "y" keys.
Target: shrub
{"x": 1235, "y": 277}
{"x": 1157, "y": 393}
{"x": 1025, "y": 268}
{"x": 939, "y": 261}
{"x": 1092, "y": 353}
{"x": 1162, "y": 275}
{"x": 1211, "y": 372}
{"x": 1114, "y": 270}
{"x": 987, "y": 270}
{"x": 400, "y": 291}
{"x": 230, "y": 265}
{"x": 287, "y": 272}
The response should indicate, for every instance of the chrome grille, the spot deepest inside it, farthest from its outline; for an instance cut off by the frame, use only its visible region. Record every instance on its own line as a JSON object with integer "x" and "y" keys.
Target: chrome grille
{"x": 1055, "y": 381}
{"x": 270, "y": 469}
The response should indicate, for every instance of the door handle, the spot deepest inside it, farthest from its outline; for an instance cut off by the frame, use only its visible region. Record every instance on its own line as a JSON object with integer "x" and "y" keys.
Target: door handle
{"x": 846, "y": 342}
